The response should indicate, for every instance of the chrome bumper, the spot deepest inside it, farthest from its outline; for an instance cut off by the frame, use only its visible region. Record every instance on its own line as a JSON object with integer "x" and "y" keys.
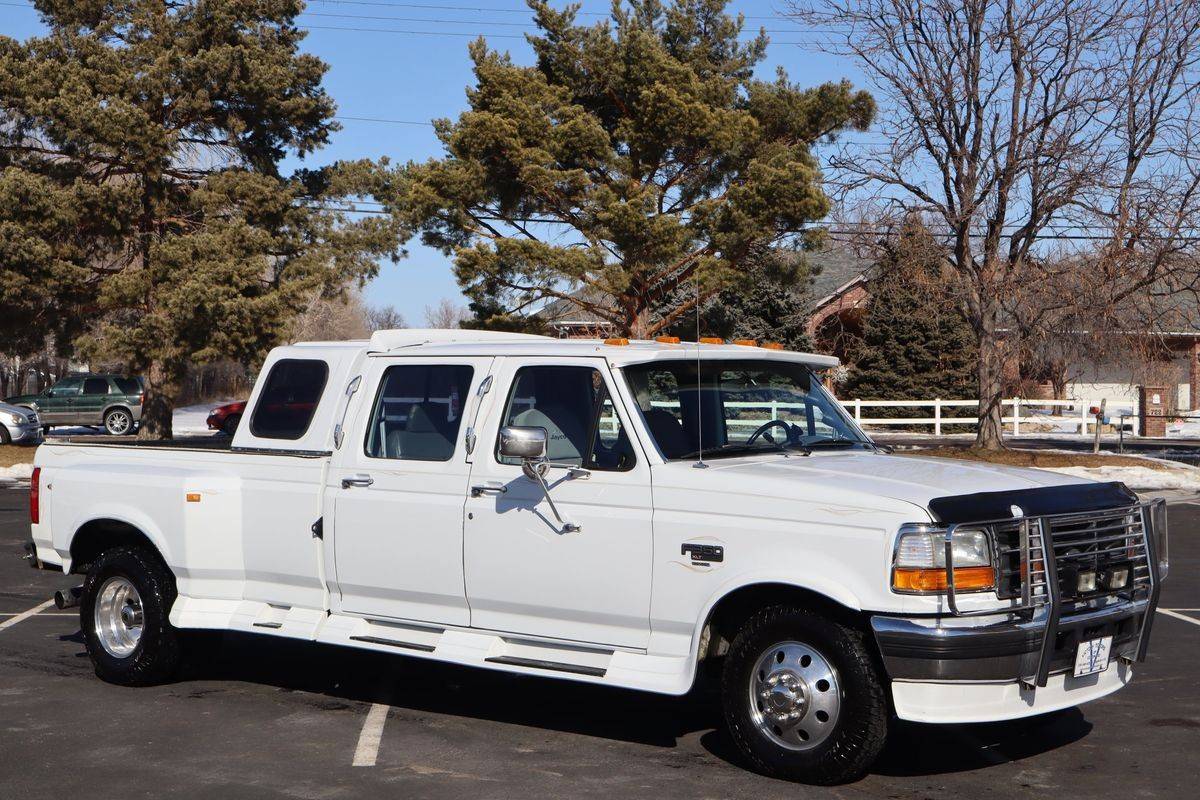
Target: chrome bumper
{"x": 959, "y": 649}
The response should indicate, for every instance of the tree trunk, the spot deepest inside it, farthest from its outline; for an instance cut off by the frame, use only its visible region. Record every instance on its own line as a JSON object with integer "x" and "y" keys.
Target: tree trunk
{"x": 990, "y": 373}
{"x": 640, "y": 325}
{"x": 158, "y": 403}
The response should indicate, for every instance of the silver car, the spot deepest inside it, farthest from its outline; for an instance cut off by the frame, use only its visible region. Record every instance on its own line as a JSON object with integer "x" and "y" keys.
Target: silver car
{"x": 19, "y": 425}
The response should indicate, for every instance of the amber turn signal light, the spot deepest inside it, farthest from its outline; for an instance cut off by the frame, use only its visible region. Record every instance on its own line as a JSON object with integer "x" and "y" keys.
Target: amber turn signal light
{"x": 912, "y": 579}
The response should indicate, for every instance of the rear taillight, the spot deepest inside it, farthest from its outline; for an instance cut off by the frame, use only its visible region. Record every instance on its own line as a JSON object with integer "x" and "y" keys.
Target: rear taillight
{"x": 34, "y": 495}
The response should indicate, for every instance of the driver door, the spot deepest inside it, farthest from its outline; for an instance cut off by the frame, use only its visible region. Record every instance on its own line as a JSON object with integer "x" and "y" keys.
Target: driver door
{"x": 525, "y": 573}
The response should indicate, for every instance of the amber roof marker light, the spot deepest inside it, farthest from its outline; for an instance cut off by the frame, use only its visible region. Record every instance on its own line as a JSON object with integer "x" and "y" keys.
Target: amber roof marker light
{"x": 773, "y": 346}
{"x": 711, "y": 340}
{"x": 667, "y": 339}
{"x": 746, "y": 342}
{"x": 617, "y": 341}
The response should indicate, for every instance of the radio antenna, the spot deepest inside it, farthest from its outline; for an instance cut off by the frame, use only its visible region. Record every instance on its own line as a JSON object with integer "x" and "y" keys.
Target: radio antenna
{"x": 699, "y": 408}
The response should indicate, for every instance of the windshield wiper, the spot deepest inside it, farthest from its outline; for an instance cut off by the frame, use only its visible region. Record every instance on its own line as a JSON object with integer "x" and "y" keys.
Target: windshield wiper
{"x": 729, "y": 450}
{"x": 835, "y": 443}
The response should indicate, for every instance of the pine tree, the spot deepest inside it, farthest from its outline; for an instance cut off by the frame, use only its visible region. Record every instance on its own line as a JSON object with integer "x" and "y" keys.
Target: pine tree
{"x": 916, "y": 343}
{"x": 770, "y": 304}
{"x": 638, "y": 156}
{"x": 144, "y": 215}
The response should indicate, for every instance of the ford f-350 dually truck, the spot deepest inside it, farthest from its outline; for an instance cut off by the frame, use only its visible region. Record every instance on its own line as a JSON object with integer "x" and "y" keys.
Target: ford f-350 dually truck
{"x": 638, "y": 514}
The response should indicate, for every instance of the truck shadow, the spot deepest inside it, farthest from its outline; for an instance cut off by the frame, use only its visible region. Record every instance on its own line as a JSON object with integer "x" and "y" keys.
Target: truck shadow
{"x": 660, "y": 721}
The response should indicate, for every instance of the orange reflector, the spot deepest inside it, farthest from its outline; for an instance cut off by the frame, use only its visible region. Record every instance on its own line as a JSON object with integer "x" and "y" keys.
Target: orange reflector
{"x": 746, "y": 342}
{"x": 667, "y": 339}
{"x": 909, "y": 579}
{"x": 772, "y": 346}
{"x": 711, "y": 340}
{"x": 619, "y": 341}
{"x": 193, "y": 497}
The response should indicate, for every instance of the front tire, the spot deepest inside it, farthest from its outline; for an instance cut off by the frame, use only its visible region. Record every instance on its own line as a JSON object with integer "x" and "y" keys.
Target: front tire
{"x": 803, "y": 699}
{"x": 127, "y": 596}
{"x": 118, "y": 422}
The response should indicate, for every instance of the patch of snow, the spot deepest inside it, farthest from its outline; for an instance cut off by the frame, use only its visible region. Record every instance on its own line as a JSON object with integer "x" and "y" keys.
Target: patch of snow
{"x": 17, "y": 472}
{"x": 1139, "y": 478}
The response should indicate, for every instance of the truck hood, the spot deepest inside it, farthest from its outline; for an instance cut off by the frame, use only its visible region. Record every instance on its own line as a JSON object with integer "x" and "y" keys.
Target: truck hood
{"x": 864, "y": 478}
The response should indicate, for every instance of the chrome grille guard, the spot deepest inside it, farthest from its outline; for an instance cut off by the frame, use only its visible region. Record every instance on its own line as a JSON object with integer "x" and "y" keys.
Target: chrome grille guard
{"x": 1136, "y": 531}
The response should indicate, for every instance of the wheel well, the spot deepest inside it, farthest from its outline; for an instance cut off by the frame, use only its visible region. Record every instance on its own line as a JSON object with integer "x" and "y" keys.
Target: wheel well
{"x": 116, "y": 407}
{"x": 98, "y": 535}
{"x": 731, "y": 612}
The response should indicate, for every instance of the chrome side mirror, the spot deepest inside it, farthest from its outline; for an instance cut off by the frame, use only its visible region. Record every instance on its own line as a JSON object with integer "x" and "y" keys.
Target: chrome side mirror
{"x": 530, "y": 444}
{"x": 524, "y": 443}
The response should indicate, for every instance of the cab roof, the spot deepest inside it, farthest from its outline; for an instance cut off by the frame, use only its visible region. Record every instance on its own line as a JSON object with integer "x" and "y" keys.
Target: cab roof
{"x": 433, "y": 342}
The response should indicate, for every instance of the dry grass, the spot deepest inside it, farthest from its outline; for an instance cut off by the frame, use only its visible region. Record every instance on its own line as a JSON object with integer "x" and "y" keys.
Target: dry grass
{"x": 15, "y": 454}
{"x": 1036, "y": 458}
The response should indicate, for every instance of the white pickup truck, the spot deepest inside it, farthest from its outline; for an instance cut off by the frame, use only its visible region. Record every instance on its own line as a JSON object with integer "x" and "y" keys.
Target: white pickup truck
{"x": 636, "y": 514}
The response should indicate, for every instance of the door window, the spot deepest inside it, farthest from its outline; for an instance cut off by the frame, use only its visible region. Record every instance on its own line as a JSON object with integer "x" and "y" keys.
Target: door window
{"x": 68, "y": 387}
{"x": 94, "y": 386}
{"x": 574, "y": 407}
{"x": 418, "y": 412}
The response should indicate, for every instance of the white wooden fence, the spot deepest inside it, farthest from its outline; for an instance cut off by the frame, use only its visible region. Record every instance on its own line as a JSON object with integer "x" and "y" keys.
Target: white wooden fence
{"x": 1080, "y": 409}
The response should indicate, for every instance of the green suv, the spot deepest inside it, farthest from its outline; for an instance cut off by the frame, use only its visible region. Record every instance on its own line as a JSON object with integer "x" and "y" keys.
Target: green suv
{"x": 93, "y": 400}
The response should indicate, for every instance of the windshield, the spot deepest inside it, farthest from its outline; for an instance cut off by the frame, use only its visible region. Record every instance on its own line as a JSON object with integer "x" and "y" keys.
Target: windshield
{"x": 738, "y": 407}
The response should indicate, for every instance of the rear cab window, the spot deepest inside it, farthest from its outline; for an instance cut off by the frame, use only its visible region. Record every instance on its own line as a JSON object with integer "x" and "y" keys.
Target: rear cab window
{"x": 289, "y": 398}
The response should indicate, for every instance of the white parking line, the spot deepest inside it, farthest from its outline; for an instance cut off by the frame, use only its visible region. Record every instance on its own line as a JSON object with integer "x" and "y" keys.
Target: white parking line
{"x": 24, "y": 615}
{"x": 370, "y": 737}
{"x": 69, "y": 614}
{"x": 1183, "y": 617}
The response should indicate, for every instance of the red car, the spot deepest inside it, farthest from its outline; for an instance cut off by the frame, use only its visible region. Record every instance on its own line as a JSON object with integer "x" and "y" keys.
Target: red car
{"x": 226, "y": 418}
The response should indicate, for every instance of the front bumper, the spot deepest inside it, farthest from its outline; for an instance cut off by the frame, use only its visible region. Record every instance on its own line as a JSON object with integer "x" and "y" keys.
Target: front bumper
{"x": 962, "y": 649}
{"x": 24, "y": 434}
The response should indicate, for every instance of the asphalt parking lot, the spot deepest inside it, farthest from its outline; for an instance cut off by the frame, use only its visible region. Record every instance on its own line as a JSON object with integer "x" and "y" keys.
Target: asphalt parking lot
{"x": 256, "y": 717}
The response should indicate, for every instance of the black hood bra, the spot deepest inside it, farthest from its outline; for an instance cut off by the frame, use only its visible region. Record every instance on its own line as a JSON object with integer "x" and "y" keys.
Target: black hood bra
{"x": 1044, "y": 500}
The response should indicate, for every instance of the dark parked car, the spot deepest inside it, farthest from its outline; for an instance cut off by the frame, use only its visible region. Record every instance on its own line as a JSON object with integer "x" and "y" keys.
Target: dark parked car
{"x": 226, "y": 418}
{"x": 113, "y": 401}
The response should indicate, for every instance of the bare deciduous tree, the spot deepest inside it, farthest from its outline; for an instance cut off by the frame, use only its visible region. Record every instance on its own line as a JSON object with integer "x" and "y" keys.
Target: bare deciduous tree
{"x": 446, "y": 314}
{"x": 385, "y": 318}
{"x": 1017, "y": 123}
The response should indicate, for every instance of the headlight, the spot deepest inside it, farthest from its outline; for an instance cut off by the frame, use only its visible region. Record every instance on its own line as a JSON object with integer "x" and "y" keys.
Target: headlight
{"x": 919, "y": 564}
{"x": 15, "y": 419}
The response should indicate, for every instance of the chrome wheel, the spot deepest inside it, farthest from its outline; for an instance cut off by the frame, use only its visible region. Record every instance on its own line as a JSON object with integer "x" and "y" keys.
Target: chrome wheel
{"x": 118, "y": 617}
{"x": 795, "y": 698}
{"x": 117, "y": 423}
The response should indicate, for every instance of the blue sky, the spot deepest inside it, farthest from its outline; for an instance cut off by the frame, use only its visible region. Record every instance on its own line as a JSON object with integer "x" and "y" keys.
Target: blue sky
{"x": 381, "y": 68}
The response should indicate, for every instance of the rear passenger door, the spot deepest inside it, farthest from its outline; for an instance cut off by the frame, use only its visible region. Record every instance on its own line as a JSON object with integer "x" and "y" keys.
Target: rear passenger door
{"x": 91, "y": 403}
{"x": 398, "y": 485}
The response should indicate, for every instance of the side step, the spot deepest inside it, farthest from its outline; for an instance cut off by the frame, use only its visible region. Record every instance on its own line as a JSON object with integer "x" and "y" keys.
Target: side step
{"x": 424, "y": 648}
{"x": 555, "y": 666}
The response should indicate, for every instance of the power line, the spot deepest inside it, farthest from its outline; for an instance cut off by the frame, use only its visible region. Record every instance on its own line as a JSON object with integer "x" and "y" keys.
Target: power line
{"x": 497, "y": 10}
{"x": 389, "y": 121}
{"x": 526, "y": 25}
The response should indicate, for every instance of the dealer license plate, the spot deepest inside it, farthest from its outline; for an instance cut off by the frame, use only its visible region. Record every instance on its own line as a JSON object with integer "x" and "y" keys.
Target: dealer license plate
{"x": 1092, "y": 656}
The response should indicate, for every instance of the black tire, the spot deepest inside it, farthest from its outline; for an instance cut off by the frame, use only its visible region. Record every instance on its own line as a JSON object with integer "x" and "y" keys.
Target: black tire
{"x": 230, "y": 425}
{"x": 156, "y": 656}
{"x": 4, "y": 437}
{"x": 118, "y": 422}
{"x": 860, "y": 729}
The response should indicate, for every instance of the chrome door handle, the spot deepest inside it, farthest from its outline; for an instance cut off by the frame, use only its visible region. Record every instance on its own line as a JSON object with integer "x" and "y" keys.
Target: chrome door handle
{"x": 480, "y": 491}
{"x": 357, "y": 480}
